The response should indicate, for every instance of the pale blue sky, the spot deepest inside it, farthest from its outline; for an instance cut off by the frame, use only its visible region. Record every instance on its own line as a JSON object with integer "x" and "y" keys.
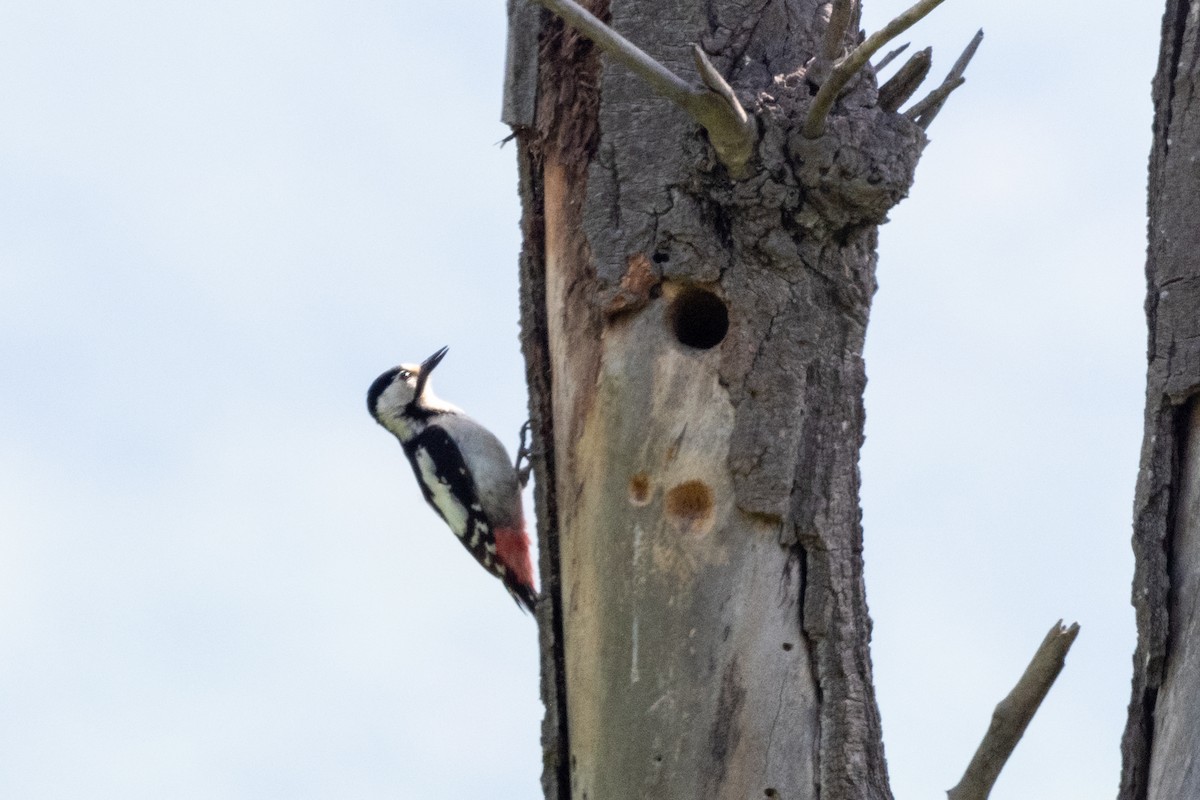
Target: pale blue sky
{"x": 219, "y": 222}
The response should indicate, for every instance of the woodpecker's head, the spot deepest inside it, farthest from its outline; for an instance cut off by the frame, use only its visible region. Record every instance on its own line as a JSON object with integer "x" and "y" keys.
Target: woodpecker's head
{"x": 401, "y": 398}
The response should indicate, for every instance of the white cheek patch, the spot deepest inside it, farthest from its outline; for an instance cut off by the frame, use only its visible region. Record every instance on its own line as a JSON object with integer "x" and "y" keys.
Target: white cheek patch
{"x": 399, "y": 426}
{"x": 391, "y": 407}
{"x": 453, "y": 511}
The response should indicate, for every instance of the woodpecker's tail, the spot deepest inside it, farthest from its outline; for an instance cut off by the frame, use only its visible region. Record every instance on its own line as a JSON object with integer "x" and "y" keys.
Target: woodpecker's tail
{"x": 526, "y": 597}
{"x": 512, "y": 552}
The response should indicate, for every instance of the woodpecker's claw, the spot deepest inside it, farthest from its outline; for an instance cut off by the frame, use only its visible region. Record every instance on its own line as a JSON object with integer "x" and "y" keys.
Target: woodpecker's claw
{"x": 523, "y": 454}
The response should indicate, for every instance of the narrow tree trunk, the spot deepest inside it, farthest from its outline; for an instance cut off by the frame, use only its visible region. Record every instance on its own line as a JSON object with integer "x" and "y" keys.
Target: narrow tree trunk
{"x": 694, "y": 345}
{"x": 1161, "y": 737}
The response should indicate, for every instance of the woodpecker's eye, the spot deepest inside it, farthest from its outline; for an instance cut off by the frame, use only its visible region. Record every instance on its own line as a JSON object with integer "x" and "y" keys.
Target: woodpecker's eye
{"x": 404, "y": 374}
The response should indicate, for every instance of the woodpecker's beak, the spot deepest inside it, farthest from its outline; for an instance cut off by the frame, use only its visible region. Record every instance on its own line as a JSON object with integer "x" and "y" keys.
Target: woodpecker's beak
{"x": 428, "y": 364}
{"x": 427, "y": 367}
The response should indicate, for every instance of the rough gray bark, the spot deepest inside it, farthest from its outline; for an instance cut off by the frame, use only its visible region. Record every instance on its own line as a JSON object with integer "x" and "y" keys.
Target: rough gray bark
{"x": 706, "y": 630}
{"x": 1161, "y": 737}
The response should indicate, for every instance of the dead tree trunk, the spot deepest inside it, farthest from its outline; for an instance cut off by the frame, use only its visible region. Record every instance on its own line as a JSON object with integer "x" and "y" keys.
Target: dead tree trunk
{"x": 693, "y": 329}
{"x": 1161, "y": 736}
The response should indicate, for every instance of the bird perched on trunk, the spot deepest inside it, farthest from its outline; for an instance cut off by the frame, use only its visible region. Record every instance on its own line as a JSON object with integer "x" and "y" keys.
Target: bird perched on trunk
{"x": 463, "y": 471}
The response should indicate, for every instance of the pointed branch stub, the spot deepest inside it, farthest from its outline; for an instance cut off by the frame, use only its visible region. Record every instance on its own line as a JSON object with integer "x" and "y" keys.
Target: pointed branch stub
{"x": 844, "y": 70}
{"x": 906, "y": 81}
{"x": 890, "y": 57}
{"x": 1013, "y": 714}
{"x": 924, "y": 111}
{"x": 732, "y": 132}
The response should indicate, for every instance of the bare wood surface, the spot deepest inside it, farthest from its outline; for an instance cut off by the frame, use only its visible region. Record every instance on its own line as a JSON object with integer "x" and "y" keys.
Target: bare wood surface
{"x": 708, "y": 602}
{"x": 1013, "y": 714}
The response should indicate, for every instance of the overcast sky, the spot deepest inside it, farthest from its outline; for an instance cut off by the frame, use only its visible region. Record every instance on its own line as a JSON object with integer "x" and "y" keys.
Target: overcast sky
{"x": 220, "y": 221}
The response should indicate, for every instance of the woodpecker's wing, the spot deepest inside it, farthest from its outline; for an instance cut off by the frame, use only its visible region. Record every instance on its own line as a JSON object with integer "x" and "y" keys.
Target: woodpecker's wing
{"x": 447, "y": 483}
{"x": 488, "y": 463}
{"x": 448, "y": 486}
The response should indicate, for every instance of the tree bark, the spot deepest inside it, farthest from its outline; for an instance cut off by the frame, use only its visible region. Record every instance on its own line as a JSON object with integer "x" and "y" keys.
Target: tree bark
{"x": 694, "y": 351}
{"x": 1161, "y": 736}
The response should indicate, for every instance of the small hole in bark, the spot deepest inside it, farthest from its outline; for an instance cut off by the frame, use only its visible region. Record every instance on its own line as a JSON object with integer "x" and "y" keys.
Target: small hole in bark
{"x": 770, "y": 793}
{"x": 658, "y": 759}
{"x": 639, "y": 489}
{"x": 699, "y": 318}
{"x": 690, "y": 505}
{"x": 661, "y": 257}
{"x": 787, "y": 645}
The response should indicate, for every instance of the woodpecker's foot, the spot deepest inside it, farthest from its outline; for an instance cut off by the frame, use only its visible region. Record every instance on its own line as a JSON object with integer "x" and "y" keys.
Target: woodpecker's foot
{"x": 524, "y": 451}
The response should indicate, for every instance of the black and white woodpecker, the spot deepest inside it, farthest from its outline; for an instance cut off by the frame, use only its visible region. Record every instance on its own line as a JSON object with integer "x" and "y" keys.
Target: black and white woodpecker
{"x": 463, "y": 471}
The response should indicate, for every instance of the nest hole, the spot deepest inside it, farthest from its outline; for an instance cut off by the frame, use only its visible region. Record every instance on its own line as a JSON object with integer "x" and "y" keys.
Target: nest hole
{"x": 699, "y": 318}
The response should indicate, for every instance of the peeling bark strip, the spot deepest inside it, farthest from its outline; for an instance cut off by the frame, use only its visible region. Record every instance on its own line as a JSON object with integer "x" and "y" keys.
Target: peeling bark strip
{"x": 536, "y": 348}
{"x": 695, "y": 359}
{"x": 1166, "y": 532}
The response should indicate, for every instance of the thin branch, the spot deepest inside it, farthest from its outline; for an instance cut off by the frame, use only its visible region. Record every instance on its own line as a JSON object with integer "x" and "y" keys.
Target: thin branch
{"x": 1013, "y": 714}
{"x": 832, "y": 46}
{"x": 845, "y": 69}
{"x": 923, "y": 112}
{"x": 932, "y": 102}
{"x": 906, "y": 81}
{"x": 716, "y": 82}
{"x": 960, "y": 67}
{"x": 890, "y": 57}
{"x": 661, "y": 79}
{"x": 732, "y": 132}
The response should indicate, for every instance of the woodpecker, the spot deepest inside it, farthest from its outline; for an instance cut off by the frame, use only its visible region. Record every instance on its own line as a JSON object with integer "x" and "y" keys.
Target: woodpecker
{"x": 463, "y": 471}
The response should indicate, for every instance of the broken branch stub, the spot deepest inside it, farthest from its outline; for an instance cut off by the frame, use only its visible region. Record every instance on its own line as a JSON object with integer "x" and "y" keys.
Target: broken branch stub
{"x": 1013, "y": 713}
{"x": 732, "y": 132}
{"x": 905, "y": 82}
{"x": 924, "y": 111}
{"x": 848, "y": 67}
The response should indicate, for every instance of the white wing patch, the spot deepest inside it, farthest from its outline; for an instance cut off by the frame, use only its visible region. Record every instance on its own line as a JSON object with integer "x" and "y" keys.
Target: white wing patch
{"x": 452, "y": 510}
